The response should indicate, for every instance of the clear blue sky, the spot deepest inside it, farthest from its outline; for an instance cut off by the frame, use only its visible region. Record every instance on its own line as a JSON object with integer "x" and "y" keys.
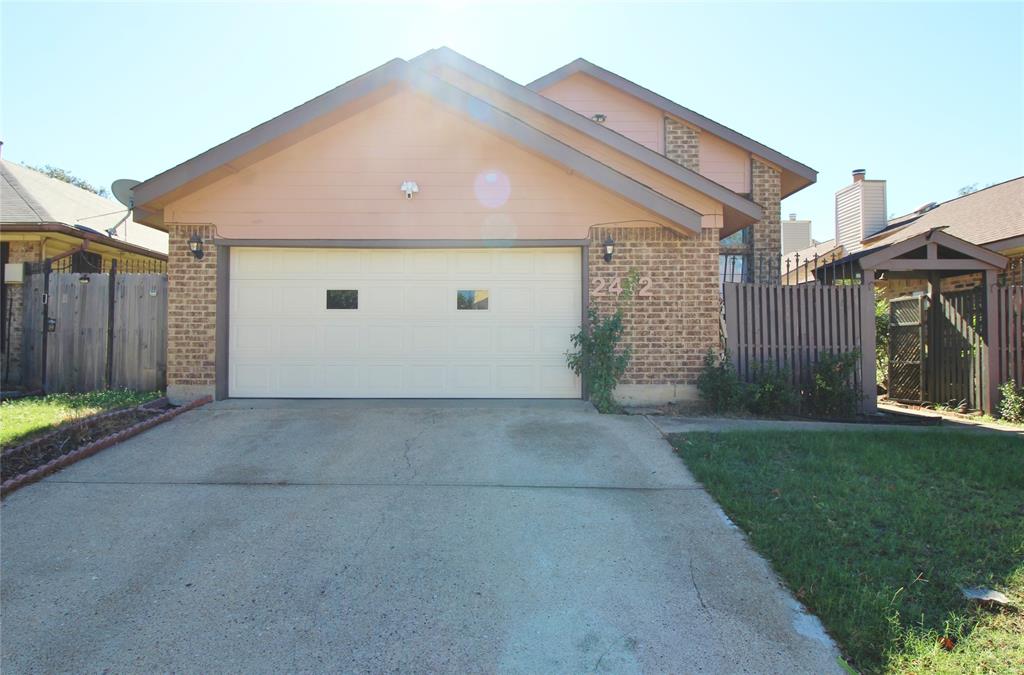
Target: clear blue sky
{"x": 927, "y": 96}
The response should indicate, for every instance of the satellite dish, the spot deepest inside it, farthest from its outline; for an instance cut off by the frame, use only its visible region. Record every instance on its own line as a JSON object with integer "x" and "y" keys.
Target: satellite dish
{"x": 122, "y": 191}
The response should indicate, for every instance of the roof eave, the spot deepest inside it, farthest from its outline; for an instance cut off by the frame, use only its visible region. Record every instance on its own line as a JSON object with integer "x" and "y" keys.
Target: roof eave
{"x": 730, "y": 200}
{"x": 65, "y": 229}
{"x": 789, "y": 164}
{"x": 219, "y": 157}
{"x": 512, "y": 127}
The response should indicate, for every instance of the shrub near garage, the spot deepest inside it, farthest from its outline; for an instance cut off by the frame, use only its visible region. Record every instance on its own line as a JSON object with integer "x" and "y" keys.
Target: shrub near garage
{"x": 599, "y": 358}
{"x": 831, "y": 391}
{"x": 718, "y": 384}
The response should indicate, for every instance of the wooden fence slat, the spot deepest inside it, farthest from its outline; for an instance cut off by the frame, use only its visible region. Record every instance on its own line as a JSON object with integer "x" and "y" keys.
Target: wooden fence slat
{"x": 76, "y": 352}
{"x": 790, "y": 326}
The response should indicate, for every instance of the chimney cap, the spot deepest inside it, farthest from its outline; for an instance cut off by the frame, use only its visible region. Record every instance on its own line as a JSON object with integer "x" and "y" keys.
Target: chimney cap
{"x": 858, "y": 174}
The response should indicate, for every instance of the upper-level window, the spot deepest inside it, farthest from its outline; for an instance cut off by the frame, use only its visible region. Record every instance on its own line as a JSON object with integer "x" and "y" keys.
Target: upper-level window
{"x": 741, "y": 238}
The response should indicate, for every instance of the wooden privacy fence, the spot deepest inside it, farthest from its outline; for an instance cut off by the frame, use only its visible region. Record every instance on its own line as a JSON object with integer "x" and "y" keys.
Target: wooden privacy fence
{"x": 791, "y": 326}
{"x": 1008, "y": 303}
{"x": 110, "y": 331}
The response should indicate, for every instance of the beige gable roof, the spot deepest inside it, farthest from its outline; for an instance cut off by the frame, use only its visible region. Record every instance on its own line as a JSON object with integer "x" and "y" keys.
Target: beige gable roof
{"x": 29, "y": 197}
{"x": 989, "y": 215}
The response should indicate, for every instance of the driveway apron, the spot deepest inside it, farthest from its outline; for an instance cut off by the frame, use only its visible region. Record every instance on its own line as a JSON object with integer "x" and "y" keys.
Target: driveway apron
{"x": 470, "y": 536}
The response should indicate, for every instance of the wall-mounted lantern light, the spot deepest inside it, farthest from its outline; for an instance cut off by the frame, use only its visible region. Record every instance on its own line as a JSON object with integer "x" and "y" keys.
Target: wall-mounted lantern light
{"x": 609, "y": 248}
{"x": 195, "y": 246}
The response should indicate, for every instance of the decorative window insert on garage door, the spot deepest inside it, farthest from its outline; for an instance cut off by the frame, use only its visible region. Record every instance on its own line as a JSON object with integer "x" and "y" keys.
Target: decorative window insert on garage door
{"x": 395, "y": 325}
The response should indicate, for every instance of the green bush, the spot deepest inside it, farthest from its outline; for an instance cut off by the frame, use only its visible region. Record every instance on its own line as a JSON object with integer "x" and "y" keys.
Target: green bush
{"x": 881, "y": 339}
{"x": 772, "y": 394}
{"x": 598, "y": 357}
{"x": 833, "y": 392}
{"x": 718, "y": 384}
{"x": 1011, "y": 407}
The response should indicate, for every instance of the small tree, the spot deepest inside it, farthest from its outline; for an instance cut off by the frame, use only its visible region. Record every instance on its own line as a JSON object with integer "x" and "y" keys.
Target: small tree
{"x": 598, "y": 357}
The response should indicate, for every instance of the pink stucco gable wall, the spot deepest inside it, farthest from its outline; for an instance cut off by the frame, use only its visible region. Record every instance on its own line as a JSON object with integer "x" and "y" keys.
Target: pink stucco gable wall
{"x": 725, "y": 163}
{"x": 343, "y": 183}
{"x": 627, "y": 115}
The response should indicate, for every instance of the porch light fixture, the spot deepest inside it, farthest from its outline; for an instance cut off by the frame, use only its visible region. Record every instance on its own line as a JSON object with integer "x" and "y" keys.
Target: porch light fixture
{"x": 84, "y": 279}
{"x": 609, "y": 248}
{"x": 195, "y": 246}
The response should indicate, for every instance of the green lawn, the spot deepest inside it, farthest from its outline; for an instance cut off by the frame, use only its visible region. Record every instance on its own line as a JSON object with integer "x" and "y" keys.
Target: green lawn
{"x": 875, "y": 532}
{"x": 24, "y": 417}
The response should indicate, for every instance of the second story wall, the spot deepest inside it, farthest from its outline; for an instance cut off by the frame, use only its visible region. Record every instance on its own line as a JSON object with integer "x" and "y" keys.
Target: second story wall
{"x": 725, "y": 163}
{"x": 625, "y": 114}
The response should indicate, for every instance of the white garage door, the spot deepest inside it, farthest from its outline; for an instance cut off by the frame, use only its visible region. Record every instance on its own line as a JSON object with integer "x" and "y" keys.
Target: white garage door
{"x": 389, "y": 323}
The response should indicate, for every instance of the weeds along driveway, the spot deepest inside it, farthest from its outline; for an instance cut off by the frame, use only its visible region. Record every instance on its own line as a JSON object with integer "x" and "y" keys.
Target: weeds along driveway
{"x": 327, "y": 535}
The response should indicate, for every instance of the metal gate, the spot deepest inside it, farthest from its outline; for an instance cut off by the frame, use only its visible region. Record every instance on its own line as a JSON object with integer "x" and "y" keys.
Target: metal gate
{"x": 908, "y": 319}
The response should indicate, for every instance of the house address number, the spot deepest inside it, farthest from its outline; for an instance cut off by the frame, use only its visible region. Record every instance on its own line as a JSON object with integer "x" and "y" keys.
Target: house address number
{"x": 602, "y": 287}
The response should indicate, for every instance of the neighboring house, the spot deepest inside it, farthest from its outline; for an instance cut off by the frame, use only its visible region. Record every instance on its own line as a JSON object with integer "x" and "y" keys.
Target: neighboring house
{"x": 798, "y": 266}
{"x": 991, "y": 218}
{"x": 796, "y": 235}
{"x": 42, "y": 217}
{"x": 433, "y": 229}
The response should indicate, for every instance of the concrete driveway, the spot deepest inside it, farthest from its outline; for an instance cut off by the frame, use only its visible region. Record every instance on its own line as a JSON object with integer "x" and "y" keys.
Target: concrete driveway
{"x": 373, "y": 535}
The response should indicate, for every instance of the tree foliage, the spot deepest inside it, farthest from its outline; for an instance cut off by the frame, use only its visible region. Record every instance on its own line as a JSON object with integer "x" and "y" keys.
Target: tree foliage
{"x": 70, "y": 178}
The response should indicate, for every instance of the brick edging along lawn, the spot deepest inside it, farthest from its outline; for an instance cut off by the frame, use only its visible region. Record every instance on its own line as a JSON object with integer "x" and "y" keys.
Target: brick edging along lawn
{"x": 67, "y": 459}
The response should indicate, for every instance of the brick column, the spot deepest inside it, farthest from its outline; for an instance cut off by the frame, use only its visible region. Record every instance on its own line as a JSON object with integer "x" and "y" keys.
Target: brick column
{"x": 682, "y": 144}
{"x": 191, "y": 315}
{"x": 19, "y": 252}
{"x": 670, "y": 327}
{"x": 766, "y": 234}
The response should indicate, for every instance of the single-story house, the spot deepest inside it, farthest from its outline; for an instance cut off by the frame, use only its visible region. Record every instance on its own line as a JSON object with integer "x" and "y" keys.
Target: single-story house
{"x": 44, "y": 218}
{"x": 433, "y": 229}
{"x": 991, "y": 219}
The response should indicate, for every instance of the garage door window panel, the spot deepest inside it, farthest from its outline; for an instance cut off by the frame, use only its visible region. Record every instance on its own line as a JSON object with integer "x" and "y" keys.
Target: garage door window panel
{"x": 472, "y": 299}
{"x": 342, "y": 299}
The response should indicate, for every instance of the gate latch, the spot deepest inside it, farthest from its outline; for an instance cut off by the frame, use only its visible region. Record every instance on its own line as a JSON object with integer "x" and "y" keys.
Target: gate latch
{"x": 51, "y": 325}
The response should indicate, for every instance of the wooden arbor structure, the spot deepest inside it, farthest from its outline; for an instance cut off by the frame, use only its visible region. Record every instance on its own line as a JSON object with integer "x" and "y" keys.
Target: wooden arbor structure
{"x": 959, "y": 348}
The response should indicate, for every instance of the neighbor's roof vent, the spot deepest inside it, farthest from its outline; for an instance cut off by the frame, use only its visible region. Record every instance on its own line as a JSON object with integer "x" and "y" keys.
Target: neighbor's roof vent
{"x": 925, "y": 208}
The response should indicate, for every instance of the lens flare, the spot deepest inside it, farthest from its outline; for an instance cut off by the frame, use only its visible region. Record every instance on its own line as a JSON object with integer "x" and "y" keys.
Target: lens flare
{"x": 492, "y": 188}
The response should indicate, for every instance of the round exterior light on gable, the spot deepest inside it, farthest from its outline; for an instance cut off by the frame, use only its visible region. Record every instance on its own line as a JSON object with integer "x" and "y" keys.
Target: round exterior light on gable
{"x": 609, "y": 248}
{"x": 600, "y": 118}
{"x": 195, "y": 246}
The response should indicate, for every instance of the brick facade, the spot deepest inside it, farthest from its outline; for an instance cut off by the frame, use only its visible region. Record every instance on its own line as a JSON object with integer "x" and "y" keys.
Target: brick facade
{"x": 682, "y": 143}
{"x": 191, "y": 315}
{"x": 671, "y": 329}
{"x": 766, "y": 234}
{"x": 19, "y": 252}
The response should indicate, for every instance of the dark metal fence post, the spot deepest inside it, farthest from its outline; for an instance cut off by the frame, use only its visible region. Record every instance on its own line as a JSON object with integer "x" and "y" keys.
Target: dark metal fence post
{"x": 110, "y": 324}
